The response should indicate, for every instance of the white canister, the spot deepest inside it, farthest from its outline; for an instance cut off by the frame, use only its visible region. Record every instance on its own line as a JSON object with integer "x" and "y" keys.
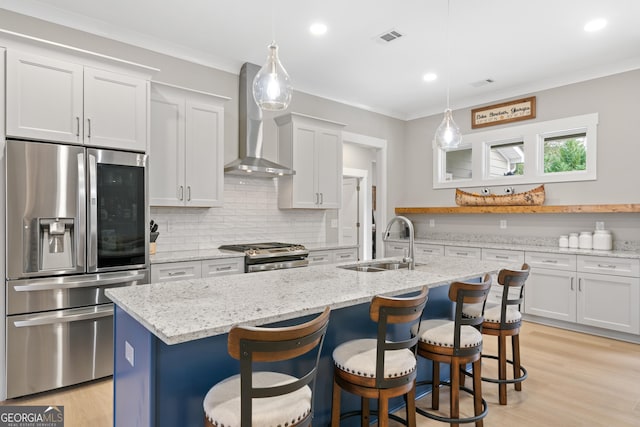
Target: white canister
{"x": 573, "y": 240}
{"x": 563, "y": 241}
{"x": 585, "y": 240}
{"x": 602, "y": 240}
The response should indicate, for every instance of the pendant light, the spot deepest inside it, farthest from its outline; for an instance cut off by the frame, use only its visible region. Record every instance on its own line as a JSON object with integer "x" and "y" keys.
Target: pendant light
{"x": 272, "y": 86}
{"x": 448, "y": 134}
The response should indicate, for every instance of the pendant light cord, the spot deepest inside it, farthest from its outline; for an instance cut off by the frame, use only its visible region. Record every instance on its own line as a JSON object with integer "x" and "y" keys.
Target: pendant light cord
{"x": 447, "y": 41}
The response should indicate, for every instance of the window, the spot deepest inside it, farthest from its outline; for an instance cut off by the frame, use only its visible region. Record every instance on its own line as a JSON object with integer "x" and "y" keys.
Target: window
{"x": 552, "y": 151}
{"x": 565, "y": 153}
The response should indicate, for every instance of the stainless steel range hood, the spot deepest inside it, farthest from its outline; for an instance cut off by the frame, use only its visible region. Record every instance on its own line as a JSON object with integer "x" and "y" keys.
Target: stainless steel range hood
{"x": 250, "y": 162}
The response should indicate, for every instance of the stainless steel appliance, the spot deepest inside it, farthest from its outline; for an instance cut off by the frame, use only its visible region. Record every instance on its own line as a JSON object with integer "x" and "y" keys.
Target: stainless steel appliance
{"x": 76, "y": 223}
{"x": 270, "y": 255}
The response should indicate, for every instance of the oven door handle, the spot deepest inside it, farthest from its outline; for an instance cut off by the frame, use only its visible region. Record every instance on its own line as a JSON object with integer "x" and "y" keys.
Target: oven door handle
{"x": 83, "y": 283}
{"x": 53, "y": 318}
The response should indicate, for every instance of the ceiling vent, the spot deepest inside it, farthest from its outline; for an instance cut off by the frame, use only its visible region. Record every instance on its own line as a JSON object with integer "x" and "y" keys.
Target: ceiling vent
{"x": 390, "y": 36}
{"x": 481, "y": 83}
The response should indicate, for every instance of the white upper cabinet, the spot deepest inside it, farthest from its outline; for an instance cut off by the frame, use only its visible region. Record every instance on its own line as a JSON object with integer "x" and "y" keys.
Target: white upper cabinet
{"x": 313, "y": 148}
{"x": 186, "y": 147}
{"x": 53, "y": 99}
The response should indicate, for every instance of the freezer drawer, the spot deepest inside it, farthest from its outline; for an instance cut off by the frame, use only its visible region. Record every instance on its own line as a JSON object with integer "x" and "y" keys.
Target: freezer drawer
{"x": 58, "y": 348}
{"x": 59, "y": 293}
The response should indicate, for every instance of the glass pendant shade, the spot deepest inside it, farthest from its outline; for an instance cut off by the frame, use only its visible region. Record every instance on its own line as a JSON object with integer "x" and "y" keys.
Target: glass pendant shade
{"x": 272, "y": 86}
{"x": 448, "y": 134}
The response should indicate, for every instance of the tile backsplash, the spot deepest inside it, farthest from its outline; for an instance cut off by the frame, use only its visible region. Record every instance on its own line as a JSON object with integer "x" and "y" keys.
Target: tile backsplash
{"x": 250, "y": 214}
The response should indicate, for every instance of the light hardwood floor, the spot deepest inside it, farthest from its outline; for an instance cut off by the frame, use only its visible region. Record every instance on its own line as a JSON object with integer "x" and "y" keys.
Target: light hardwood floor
{"x": 574, "y": 380}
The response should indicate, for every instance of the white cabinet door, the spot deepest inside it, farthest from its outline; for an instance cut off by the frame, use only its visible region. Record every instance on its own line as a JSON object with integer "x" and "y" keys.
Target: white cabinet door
{"x": 304, "y": 163}
{"x": 511, "y": 256}
{"x": 328, "y": 149}
{"x": 394, "y": 249}
{"x": 609, "y": 302}
{"x": 426, "y": 249}
{"x": 115, "y": 110}
{"x": 313, "y": 148}
{"x": 186, "y": 148}
{"x": 551, "y": 293}
{"x": 44, "y": 98}
{"x": 166, "y": 153}
{"x": 204, "y": 154}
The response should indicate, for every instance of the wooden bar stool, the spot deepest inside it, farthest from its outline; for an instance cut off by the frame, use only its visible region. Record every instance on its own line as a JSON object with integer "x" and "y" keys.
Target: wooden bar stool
{"x": 503, "y": 320}
{"x": 267, "y": 398}
{"x": 455, "y": 342}
{"x": 380, "y": 368}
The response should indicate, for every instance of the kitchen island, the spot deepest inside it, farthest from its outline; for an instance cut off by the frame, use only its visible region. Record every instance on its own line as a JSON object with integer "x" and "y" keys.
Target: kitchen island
{"x": 170, "y": 339}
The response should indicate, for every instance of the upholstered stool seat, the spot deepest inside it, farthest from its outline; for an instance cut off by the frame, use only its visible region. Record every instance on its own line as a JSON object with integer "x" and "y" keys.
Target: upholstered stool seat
{"x": 222, "y": 402}
{"x": 456, "y": 343}
{"x": 503, "y": 320}
{"x": 358, "y": 357}
{"x": 269, "y": 398}
{"x": 383, "y": 367}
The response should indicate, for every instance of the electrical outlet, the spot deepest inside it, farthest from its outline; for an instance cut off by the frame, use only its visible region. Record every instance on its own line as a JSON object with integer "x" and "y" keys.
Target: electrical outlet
{"x": 128, "y": 352}
{"x": 334, "y": 223}
{"x": 599, "y": 225}
{"x": 503, "y": 223}
{"x": 432, "y": 223}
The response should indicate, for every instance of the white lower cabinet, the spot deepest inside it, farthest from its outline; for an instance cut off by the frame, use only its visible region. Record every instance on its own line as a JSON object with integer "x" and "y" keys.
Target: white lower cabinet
{"x": 463, "y": 252}
{"x": 564, "y": 287}
{"x": 393, "y": 249}
{"x": 332, "y": 256}
{"x": 512, "y": 257}
{"x": 426, "y": 249}
{"x": 185, "y": 270}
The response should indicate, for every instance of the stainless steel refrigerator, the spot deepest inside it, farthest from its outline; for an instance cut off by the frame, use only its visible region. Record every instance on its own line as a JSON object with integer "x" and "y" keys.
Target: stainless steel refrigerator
{"x": 76, "y": 223}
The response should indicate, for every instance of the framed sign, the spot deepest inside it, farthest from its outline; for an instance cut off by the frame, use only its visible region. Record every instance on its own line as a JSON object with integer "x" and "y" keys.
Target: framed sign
{"x": 506, "y": 112}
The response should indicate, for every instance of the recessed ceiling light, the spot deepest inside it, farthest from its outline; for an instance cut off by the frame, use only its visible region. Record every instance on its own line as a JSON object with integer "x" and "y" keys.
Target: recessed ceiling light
{"x": 318, "y": 29}
{"x": 429, "y": 77}
{"x": 595, "y": 25}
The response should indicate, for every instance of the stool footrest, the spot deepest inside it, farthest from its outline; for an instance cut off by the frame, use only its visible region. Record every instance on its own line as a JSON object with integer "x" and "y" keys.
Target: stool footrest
{"x": 485, "y": 410}
{"x": 372, "y": 412}
{"x": 523, "y": 373}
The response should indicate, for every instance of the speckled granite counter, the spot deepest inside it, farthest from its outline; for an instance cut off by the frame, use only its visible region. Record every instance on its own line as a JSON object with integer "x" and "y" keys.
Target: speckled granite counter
{"x": 631, "y": 253}
{"x": 170, "y": 341}
{"x": 182, "y": 311}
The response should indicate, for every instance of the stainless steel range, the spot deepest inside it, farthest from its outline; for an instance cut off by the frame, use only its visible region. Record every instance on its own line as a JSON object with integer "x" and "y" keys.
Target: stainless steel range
{"x": 270, "y": 255}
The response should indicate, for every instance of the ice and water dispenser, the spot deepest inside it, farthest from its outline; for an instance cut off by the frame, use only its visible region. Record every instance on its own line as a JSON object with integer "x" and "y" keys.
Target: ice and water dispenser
{"x": 56, "y": 243}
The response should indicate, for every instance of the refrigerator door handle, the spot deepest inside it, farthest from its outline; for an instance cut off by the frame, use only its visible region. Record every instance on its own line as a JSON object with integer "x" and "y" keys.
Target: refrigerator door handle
{"x": 92, "y": 216}
{"x": 61, "y": 317}
{"x": 73, "y": 284}
{"x": 81, "y": 231}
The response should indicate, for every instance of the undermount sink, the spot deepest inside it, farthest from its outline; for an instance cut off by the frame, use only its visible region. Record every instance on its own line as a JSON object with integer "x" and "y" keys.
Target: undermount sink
{"x": 375, "y": 267}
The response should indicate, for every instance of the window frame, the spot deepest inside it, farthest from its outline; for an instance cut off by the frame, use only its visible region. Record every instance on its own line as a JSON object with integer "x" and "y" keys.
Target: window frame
{"x": 532, "y": 135}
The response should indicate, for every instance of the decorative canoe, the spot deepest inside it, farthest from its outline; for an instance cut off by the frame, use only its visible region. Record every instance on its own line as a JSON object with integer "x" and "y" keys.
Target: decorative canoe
{"x": 532, "y": 197}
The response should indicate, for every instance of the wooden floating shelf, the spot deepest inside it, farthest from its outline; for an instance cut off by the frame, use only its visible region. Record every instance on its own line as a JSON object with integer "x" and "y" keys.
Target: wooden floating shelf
{"x": 613, "y": 208}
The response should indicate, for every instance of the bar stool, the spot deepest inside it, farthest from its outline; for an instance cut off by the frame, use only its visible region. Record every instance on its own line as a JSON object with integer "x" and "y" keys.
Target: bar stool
{"x": 455, "y": 342}
{"x": 503, "y": 320}
{"x": 380, "y": 368}
{"x": 267, "y": 398}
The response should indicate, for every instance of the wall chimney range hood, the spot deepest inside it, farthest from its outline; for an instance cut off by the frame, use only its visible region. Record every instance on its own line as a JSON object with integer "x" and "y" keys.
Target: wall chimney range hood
{"x": 250, "y": 161}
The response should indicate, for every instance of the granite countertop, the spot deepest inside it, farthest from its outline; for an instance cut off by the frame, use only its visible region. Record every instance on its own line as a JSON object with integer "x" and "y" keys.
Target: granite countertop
{"x": 634, "y": 254}
{"x": 182, "y": 311}
{"x": 198, "y": 255}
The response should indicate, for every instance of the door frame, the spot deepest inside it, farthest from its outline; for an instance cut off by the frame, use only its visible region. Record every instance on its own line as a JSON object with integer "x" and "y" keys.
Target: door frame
{"x": 380, "y": 147}
{"x": 364, "y": 214}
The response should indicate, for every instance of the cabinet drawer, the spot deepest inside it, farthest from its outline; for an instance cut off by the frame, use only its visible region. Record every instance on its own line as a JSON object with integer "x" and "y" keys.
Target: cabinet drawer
{"x": 319, "y": 257}
{"x": 395, "y": 249}
{"x": 553, "y": 261}
{"x": 609, "y": 265}
{"x": 428, "y": 249}
{"x": 176, "y": 271}
{"x": 516, "y": 257}
{"x": 463, "y": 252}
{"x": 220, "y": 267}
{"x": 345, "y": 255}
